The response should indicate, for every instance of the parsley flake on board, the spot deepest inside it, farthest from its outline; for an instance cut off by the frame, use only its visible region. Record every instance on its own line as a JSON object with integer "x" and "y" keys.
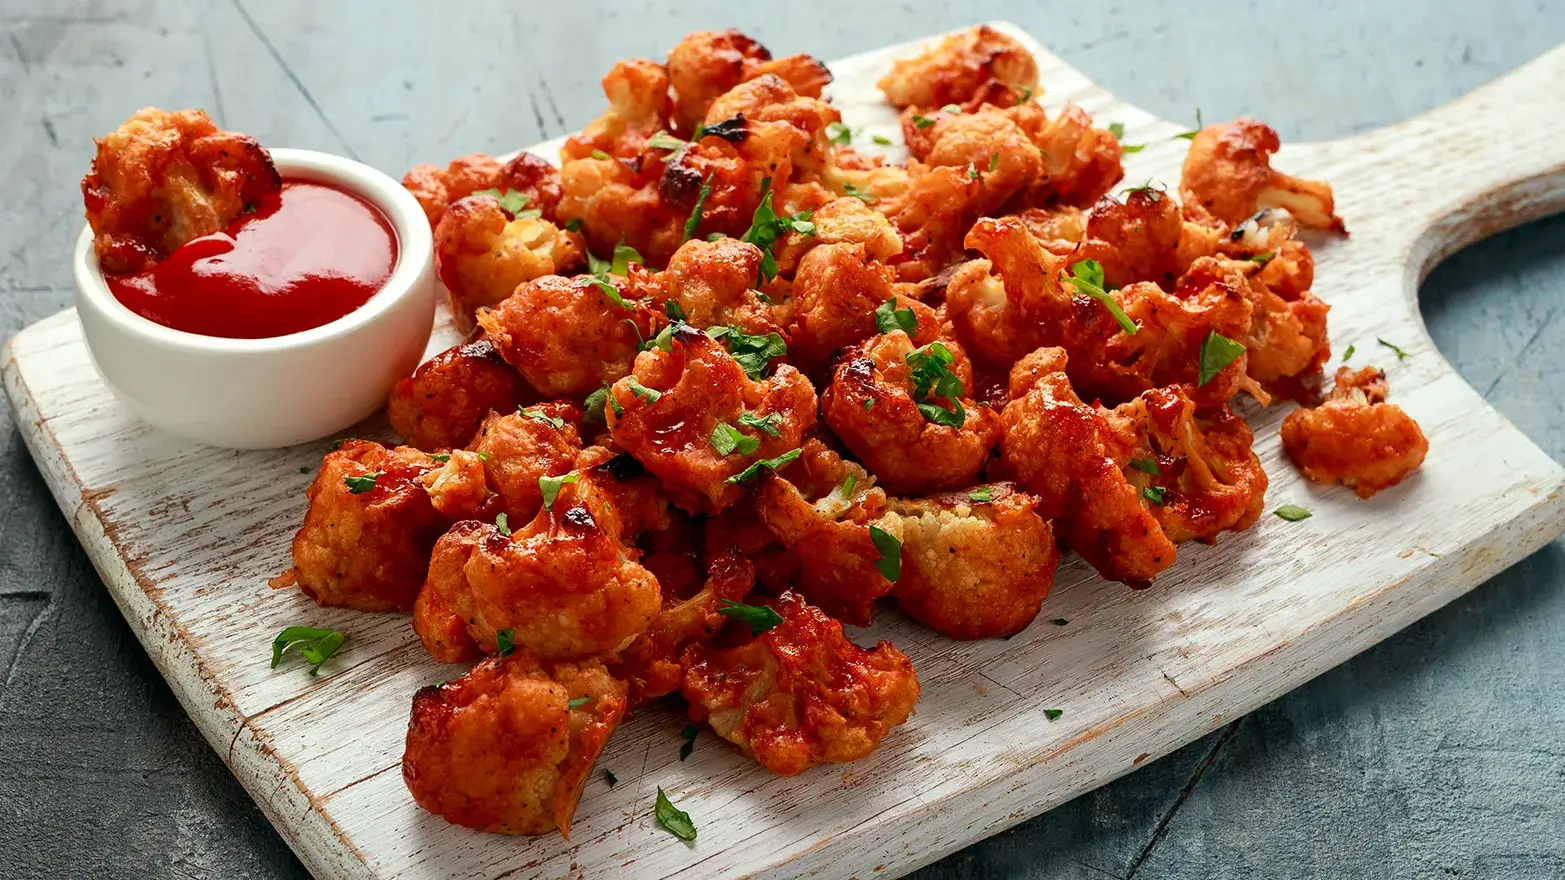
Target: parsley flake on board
{"x": 511, "y": 201}
{"x": 759, "y": 618}
{"x": 771, "y": 464}
{"x": 888, "y": 318}
{"x": 1292, "y": 512}
{"x": 838, "y": 133}
{"x": 1154, "y": 494}
{"x": 304, "y": 468}
{"x": 550, "y": 487}
{"x": 727, "y": 440}
{"x": 754, "y": 353}
{"x": 1117, "y": 129}
{"x": 766, "y": 227}
{"x": 1401, "y": 355}
{"x": 1059, "y": 621}
{"x": 1348, "y": 355}
{"x": 881, "y": 139}
{"x": 767, "y": 424}
{"x": 1146, "y": 465}
{"x": 502, "y": 524}
{"x": 890, "y": 562}
{"x": 1217, "y": 352}
{"x": 610, "y": 778}
{"x": 981, "y": 494}
{"x": 313, "y": 644}
{"x": 695, "y": 213}
{"x": 361, "y": 484}
{"x": 578, "y": 702}
{"x": 505, "y": 641}
{"x": 689, "y": 735}
{"x": 933, "y": 379}
{"x": 539, "y": 415}
{"x": 1053, "y": 714}
{"x": 674, "y": 820}
{"x": 850, "y": 189}
{"x": 1087, "y": 277}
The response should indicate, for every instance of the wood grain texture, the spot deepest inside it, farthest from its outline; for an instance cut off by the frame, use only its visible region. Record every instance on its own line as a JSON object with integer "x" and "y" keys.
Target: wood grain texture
{"x": 1228, "y": 629}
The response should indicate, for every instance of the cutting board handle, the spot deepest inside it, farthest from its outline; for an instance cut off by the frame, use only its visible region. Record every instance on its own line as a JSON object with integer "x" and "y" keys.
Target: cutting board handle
{"x": 1489, "y": 161}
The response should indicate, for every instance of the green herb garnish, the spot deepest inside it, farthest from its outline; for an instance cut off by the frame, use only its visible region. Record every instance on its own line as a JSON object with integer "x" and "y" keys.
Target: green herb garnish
{"x": 727, "y": 440}
{"x": 1053, "y": 714}
{"x": 1348, "y": 355}
{"x": 837, "y": 133}
{"x": 890, "y": 562}
{"x": 505, "y": 641}
{"x": 539, "y": 415}
{"x": 647, "y": 395}
{"x": 315, "y": 645}
{"x": 578, "y": 702}
{"x": 859, "y": 194}
{"x": 503, "y": 524}
{"x": 1190, "y": 135}
{"x": 982, "y": 494}
{"x": 754, "y": 353}
{"x": 674, "y": 820}
{"x": 933, "y": 379}
{"x": 689, "y": 735}
{"x": 771, "y": 464}
{"x": 880, "y": 139}
{"x": 766, "y": 227}
{"x": 759, "y": 618}
{"x": 1292, "y": 512}
{"x": 550, "y": 487}
{"x": 1217, "y": 352}
{"x": 695, "y": 213}
{"x": 767, "y": 424}
{"x": 1154, "y": 494}
{"x": 511, "y": 201}
{"x": 888, "y": 318}
{"x": 662, "y": 140}
{"x": 361, "y": 484}
{"x": 1401, "y": 355}
{"x": 1146, "y": 465}
{"x": 1087, "y": 277}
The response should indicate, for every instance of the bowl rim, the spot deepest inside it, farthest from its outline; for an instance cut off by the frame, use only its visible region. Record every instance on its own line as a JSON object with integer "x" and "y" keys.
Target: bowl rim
{"x": 415, "y": 255}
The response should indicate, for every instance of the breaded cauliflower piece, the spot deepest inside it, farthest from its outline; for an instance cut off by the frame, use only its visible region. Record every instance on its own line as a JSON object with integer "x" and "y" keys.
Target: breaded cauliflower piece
{"x": 1081, "y": 163}
{"x": 163, "y": 178}
{"x": 990, "y": 148}
{"x": 1227, "y": 176}
{"x": 482, "y": 254}
{"x": 526, "y": 174}
{"x": 374, "y": 516}
{"x": 932, "y": 210}
{"x": 712, "y": 283}
{"x": 955, "y": 69}
{"x": 652, "y": 664}
{"x": 707, "y": 64}
{"x": 564, "y": 586}
{"x": 1136, "y": 239}
{"x": 634, "y": 502}
{"x": 639, "y": 107}
{"x": 888, "y": 403}
{"x": 1001, "y": 317}
{"x": 508, "y": 746}
{"x": 689, "y": 413}
{"x": 976, "y": 564}
{"x": 1355, "y": 438}
{"x": 845, "y": 220}
{"x": 519, "y": 446}
{"x": 800, "y": 694}
{"x": 620, "y": 201}
{"x": 827, "y": 512}
{"x": 442, "y": 404}
{"x": 769, "y": 101}
{"x": 567, "y": 336}
{"x": 836, "y": 290}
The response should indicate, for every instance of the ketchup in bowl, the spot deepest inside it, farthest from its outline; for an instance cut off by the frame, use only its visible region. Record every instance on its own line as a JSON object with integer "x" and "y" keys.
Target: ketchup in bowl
{"x": 303, "y": 258}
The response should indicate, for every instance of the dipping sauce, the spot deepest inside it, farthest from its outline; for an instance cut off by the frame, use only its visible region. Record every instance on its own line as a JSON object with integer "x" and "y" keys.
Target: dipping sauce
{"x": 304, "y": 257}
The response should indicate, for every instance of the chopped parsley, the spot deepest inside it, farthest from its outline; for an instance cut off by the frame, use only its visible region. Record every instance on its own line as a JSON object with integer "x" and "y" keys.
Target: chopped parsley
{"x": 550, "y": 487}
{"x": 511, "y": 201}
{"x": 674, "y": 820}
{"x": 1154, "y": 193}
{"x": 869, "y": 403}
{"x": 880, "y": 139}
{"x": 689, "y": 735}
{"x": 765, "y": 424}
{"x": 442, "y": 457}
{"x": 838, "y": 133}
{"x": 664, "y": 341}
{"x": 848, "y": 484}
{"x": 304, "y": 468}
{"x": 1292, "y": 512}
{"x": 599, "y": 154}
{"x": 727, "y": 440}
{"x": 695, "y": 213}
{"x": 890, "y": 562}
{"x": 1117, "y": 129}
{"x": 502, "y": 524}
{"x": 1263, "y": 258}
{"x": 361, "y": 484}
{"x": 1025, "y": 96}
{"x": 647, "y": 395}
{"x": 1348, "y": 355}
{"x": 1146, "y": 465}
{"x": 1053, "y": 714}
{"x": 859, "y": 194}
{"x": 933, "y": 379}
{"x": 505, "y": 641}
{"x": 574, "y": 224}
{"x": 972, "y": 173}
{"x": 1401, "y": 355}
{"x": 1217, "y": 352}
{"x": 1190, "y": 135}
{"x": 1059, "y": 621}
{"x": 315, "y": 645}
{"x": 1155, "y": 494}
{"x": 759, "y": 618}
{"x": 578, "y": 702}
{"x": 771, "y": 464}
{"x": 754, "y": 353}
{"x": 766, "y": 227}
{"x": 662, "y": 140}
{"x": 922, "y": 121}
{"x": 1087, "y": 277}
{"x": 610, "y": 292}
{"x": 610, "y": 778}
{"x": 592, "y": 407}
{"x": 539, "y": 415}
{"x": 982, "y": 494}
{"x": 888, "y": 318}
{"x": 994, "y": 161}
{"x": 674, "y": 310}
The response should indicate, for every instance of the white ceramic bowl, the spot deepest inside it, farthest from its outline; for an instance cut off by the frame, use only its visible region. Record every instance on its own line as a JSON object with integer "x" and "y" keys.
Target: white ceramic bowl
{"x": 257, "y": 393}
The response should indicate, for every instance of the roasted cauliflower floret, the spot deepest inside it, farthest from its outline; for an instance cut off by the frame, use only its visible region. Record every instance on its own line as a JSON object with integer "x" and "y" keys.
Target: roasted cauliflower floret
{"x": 530, "y": 177}
{"x": 707, "y": 64}
{"x": 712, "y": 283}
{"x": 482, "y": 253}
{"x": 442, "y": 404}
{"x": 1081, "y": 163}
{"x": 620, "y": 201}
{"x": 1012, "y": 303}
{"x": 693, "y": 417}
{"x": 955, "y": 69}
{"x": 1227, "y": 176}
{"x": 1355, "y": 438}
{"x": 845, "y": 220}
{"x": 163, "y": 178}
{"x": 568, "y": 336}
{"x": 990, "y": 148}
{"x": 836, "y": 290}
{"x": 374, "y": 515}
{"x": 1136, "y": 239}
{"x": 800, "y": 694}
{"x": 519, "y": 446}
{"x": 906, "y": 413}
{"x": 977, "y": 563}
{"x": 508, "y": 746}
{"x": 766, "y": 103}
{"x": 639, "y": 107}
{"x": 565, "y": 585}
{"x": 932, "y": 212}
{"x": 831, "y": 517}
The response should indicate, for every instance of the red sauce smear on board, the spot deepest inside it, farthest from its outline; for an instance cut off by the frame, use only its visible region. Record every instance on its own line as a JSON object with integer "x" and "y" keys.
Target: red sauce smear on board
{"x": 304, "y": 257}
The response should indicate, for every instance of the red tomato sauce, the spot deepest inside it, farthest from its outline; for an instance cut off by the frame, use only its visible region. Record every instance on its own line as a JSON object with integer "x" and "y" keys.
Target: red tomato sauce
{"x": 303, "y": 258}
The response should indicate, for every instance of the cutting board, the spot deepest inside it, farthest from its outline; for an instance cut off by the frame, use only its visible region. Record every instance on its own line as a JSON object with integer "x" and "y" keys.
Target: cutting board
{"x": 185, "y": 537}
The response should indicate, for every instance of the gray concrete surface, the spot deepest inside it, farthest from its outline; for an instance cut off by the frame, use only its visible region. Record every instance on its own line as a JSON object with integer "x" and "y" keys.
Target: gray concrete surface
{"x": 1440, "y": 753}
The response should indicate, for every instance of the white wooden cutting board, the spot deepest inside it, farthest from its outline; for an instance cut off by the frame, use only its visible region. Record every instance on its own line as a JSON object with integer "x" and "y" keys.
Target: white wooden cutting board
{"x": 186, "y": 536}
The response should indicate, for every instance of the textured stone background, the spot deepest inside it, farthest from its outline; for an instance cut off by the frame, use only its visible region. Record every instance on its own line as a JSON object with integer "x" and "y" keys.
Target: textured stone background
{"x": 1440, "y": 753}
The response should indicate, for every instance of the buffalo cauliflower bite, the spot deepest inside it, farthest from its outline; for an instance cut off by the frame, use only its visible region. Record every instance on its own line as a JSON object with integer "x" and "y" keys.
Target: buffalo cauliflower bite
{"x": 482, "y": 253}
{"x": 1355, "y": 438}
{"x": 693, "y": 417}
{"x": 836, "y": 290}
{"x": 712, "y": 283}
{"x": 568, "y": 336}
{"x": 620, "y": 201}
{"x": 800, "y": 694}
{"x": 519, "y": 446}
{"x": 769, "y": 101}
{"x": 526, "y": 174}
{"x": 1227, "y": 176}
{"x": 956, "y": 68}
{"x": 826, "y": 511}
{"x": 1012, "y": 303}
{"x": 508, "y": 746}
{"x": 374, "y": 516}
{"x": 564, "y": 585}
{"x": 845, "y": 220}
{"x": 1081, "y": 163}
{"x": 162, "y": 179}
{"x": 990, "y": 148}
{"x": 707, "y": 64}
{"x": 877, "y": 401}
{"x": 639, "y": 107}
{"x": 442, "y": 404}
{"x": 976, "y": 564}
